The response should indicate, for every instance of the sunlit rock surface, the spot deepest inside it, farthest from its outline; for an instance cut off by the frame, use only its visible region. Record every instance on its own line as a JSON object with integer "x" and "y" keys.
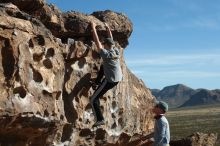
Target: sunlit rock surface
{"x": 47, "y": 63}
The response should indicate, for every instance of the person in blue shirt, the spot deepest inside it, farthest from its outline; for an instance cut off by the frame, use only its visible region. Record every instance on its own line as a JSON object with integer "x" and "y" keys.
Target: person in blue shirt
{"x": 110, "y": 69}
{"x": 161, "y": 126}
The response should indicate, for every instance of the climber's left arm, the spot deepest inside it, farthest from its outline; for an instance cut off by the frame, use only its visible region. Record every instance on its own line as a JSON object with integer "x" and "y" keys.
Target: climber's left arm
{"x": 96, "y": 37}
{"x": 108, "y": 31}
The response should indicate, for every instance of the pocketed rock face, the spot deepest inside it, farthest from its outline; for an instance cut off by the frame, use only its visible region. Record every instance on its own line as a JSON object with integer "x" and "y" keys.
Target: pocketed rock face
{"x": 45, "y": 85}
{"x": 125, "y": 108}
{"x": 31, "y": 80}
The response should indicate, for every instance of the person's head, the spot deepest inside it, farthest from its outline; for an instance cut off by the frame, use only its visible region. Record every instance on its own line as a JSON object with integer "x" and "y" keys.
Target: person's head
{"x": 160, "y": 107}
{"x": 108, "y": 43}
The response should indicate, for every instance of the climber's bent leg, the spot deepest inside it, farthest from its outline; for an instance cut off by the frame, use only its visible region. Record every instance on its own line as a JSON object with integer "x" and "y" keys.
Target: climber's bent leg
{"x": 102, "y": 89}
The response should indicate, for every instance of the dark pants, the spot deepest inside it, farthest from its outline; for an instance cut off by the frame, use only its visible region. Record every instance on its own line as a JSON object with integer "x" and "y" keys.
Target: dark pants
{"x": 100, "y": 91}
{"x": 100, "y": 75}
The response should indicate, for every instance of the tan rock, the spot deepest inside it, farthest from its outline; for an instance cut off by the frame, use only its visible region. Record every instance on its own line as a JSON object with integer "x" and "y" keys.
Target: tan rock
{"x": 26, "y": 5}
{"x": 31, "y": 93}
{"x": 74, "y": 24}
{"x": 45, "y": 86}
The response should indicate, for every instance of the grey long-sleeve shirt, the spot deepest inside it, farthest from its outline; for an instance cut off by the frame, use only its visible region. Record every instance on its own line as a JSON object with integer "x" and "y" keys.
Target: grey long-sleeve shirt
{"x": 111, "y": 64}
{"x": 161, "y": 132}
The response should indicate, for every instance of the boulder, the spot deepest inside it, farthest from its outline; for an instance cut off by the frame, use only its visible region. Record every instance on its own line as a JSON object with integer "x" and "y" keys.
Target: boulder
{"x": 118, "y": 22}
{"x": 31, "y": 80}
{"x": 26, "y": 5}
{"x": 73, "y": 24}
{"x": 45, "y": 84}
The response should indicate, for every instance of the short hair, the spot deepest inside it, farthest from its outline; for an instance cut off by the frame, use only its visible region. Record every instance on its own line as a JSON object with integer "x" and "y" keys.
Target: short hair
{"x": 109, "y": 41}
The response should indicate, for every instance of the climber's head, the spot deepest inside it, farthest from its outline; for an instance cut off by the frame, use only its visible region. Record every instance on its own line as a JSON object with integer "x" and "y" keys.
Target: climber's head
{"x": 108, "y": 43}
{"x": 160, "y": 107}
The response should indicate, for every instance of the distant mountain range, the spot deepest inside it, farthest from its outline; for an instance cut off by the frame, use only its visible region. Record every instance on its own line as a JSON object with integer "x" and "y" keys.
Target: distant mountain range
{"x": 182, "y": 96}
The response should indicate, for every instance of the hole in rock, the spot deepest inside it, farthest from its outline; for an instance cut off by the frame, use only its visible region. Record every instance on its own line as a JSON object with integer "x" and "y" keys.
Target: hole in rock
{"x": 100, "y": 134}
{"x": 38, "y": 113}
{"x": 86, "y": 132}
{"x": 121, "y": 111}
{"x": 45, "y": 92}
{"x": 103, "y": 98}
{"x": 46, "y": 82}
{"x": 21, "y": 91}
{"x": 102, "y": 108}
{"x": 17, "y": 76}
{"x": 87, "y": 122}
{"x": 50, "y": 53}
{"x": 8, "y": 59}
{"x": 77, "y": 99}
{"x": 120, "y": 121}
{"x": 113, "y": 116}
{"x": 114, "y": 104}
{"x": 69, "y": 109}
{"x": 46, "y": 113}
{"x": 67, "y": 132}
{"x": 114, "y": 126}
{"x": 95, "y": 68}
{"x": 30, "y": 43}
{"x": 47, "y": 63}
{"x": 88, "y": 106}
{"x": 124, "y": 138}
{"x": 62, "y": 117}
{"x": 54, "y": 114}
{"x": 82, "y": 62}
{"x": 58, "y": 95}
{"x": 39, "y": 39}
{"x": 38, "y": 57}
{"x": 37, "y": 77}
{"x": 95, "y": 55}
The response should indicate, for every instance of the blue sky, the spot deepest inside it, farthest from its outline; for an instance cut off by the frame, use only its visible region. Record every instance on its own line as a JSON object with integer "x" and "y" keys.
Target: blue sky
{"x": 173, "y": 41}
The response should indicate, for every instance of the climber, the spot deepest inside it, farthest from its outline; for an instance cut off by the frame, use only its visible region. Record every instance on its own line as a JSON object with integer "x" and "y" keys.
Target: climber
{"x": 161, "y": 134}
{"x": 110, "y": 69}
{"x": 161, "y": 126}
